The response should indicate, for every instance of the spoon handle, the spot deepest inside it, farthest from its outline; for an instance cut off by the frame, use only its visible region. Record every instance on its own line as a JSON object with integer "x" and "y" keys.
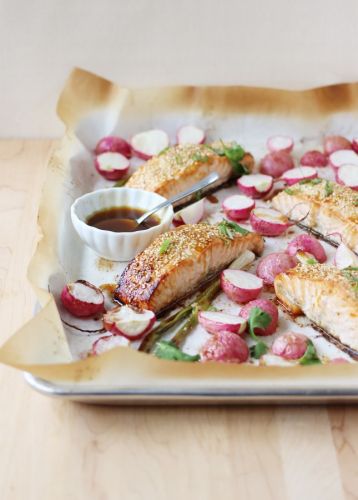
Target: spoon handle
{"x": 210, "y": 179}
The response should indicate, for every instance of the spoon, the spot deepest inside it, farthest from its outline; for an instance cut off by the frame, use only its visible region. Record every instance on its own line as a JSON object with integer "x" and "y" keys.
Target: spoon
{"x": 207, "y": 181}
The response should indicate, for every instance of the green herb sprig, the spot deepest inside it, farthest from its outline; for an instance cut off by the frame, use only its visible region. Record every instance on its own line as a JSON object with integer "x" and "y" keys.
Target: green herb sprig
{"x": 228, "y": 229}
{"x": 310, "y": 356}
{"x": 258, "y": 319}
{"x": 234, "y": 153}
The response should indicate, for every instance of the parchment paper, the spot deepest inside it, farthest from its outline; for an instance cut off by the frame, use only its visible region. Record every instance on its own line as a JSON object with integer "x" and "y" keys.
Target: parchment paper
{"x": 91, "y": 108}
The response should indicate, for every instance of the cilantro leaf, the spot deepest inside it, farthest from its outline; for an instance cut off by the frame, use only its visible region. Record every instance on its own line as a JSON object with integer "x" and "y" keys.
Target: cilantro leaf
{"x": 228, "y": 229}
{"x": 167, "y": 350}
{"x": 310, "y": 356}
{"x": 328, "y": 188}
{"x": 258, "y": 350}
{"x": 234, "y": 153}
{"x": 164, "y": 246}
{"x": 258, "y": 319}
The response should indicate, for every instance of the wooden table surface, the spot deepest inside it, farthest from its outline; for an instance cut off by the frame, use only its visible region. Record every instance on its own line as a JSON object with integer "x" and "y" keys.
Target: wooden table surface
{"x": 52, "y": 449}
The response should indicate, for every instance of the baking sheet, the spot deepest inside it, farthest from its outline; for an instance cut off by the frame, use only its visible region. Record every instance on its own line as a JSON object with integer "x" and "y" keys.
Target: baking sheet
{"x": 91, "y": 108}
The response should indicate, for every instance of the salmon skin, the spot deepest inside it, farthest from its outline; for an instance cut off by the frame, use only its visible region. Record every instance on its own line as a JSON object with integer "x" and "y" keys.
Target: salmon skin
{"x": 324, "y": 206}
{"x": 326, "y": 295}
{"x": 179, "y": 167}
{"x": 178, "y": 262}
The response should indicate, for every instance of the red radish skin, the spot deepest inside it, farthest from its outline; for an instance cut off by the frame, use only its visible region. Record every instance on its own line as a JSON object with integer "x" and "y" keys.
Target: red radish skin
{"x": 191, "y": 214}
{"x": 309, "y": 244}
{"x": 238, "y": 207}
{"x": 268, "y": 307}
{"x": 82, "y": 299}
{"x": 190, "y": 134}
{"x": 338, "y": 361}
{"x": 112, "y": 166}
{"x": 272, "y": 265}
{"x": 240, "y": 286}
{"x": 107, "y": 343}
{"x": 314, "y": 158}
{"x": 290, "y": 345}
{"x": 280, "y": 143}
{"x": 112, "y": 144}
{"x": 347, "y": 175}
{"x": 128, "y": 322}
{"x": 299, "y": 174}
{"x": 334, "y": 143}
{"x": 340, "y": 158}
{"x": 215, "y": 322}
{"x": 275, "y": 164}
{"x": 344, "y": 257}
{"x": 147, "y": 144}
{"x": 268, "y": 222}
{"x": 255, "y": 185}
{"x": 225, "y": 347}
{"x": 355, "y": 144}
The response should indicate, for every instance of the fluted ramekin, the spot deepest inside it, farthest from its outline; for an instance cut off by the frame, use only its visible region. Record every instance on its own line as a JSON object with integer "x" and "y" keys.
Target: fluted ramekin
{"x": 109, "y": 244}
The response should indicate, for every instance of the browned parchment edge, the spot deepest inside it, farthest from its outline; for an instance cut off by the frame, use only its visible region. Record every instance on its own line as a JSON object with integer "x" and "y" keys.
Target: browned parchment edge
{"x": 40, "y": 346}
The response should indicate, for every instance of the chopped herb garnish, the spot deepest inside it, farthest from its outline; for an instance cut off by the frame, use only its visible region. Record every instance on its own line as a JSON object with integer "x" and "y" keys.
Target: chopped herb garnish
{"x": 328, "y": 188}
{"x": 167, "y": 350}
{"x": 258, "y": 319}
{"x": 311, "y": 261}
{"x": 258, "y": 350}
{"x": 228, "y": 229}
{"x": 353, "y": 279}
{"x": 164, "y": 151}
{"x": 311, "y": 181}
{"x": 289, "y": 191}
{"x": 164, "y": 246}
{"x": 355, "y": 202}
{"x": 120, "y": 183}
{"x": 200, "y": 157}
{"x": 212, "y": 308}
{"x": 310, "y": 356}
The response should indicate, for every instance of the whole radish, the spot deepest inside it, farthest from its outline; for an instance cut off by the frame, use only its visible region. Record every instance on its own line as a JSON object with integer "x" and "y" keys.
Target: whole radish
{"x": 273, "y": 264}
{"x": 314, "y": 158}
{"x": 276, "y": 163}
{"x": 309, "y": 244}
{"x": 113, "y": 144}
{"x": 290, "y": 345}
{"x": 334, "y": 143}
{"x": 225, "y": 347}
{"x": 82, "y": 299}
{"x": 252, "y": 310}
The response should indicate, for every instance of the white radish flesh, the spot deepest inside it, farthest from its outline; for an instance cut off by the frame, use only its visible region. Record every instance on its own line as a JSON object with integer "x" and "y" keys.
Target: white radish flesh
{"x": 334, "y": 143}
{"x": 107, "y": 343}
{"x": 82, "y": 299}
{"x": 347, "y": 175}
{"x": 215, "y": 322}
{"x": 191, "y": 214}
{"x": 299, "y": 174}
{"x": 189, "y": 134}
{"x": 112, "y": 144}
{"x": 280, "y": 143}
{"x": 268, "y": 222}
{"x": 344, "y": 257}
{"x": 147, "y": 144}
{"x": 240, "y": 286}
{"x": 255, "y": 185}
{"x": 112, "y": 166}
{"x": 340, "y": 158}
{"x": 314, "y": 158}
{"x": 275, "y": 164}
{"x": 131, "y": 323}
{"x": 238, "y": 207}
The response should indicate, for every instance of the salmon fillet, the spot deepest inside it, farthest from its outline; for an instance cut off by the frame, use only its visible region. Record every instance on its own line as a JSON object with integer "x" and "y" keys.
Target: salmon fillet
{"x": 330, "y": 207}
{"x": 177, "y": 262}
{"x": 179, "y": 167}
{"x": 326, "y": 295}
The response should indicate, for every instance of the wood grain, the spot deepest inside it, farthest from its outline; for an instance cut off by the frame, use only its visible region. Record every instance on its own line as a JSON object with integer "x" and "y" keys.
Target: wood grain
{"x": 52, "y": 449}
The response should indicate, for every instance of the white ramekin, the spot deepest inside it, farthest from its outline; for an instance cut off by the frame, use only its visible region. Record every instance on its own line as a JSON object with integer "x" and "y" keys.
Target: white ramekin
{"x": 111, "y": 245}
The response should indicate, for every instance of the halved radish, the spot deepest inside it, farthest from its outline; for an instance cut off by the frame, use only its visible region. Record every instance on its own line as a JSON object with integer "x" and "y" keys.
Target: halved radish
{"x": 344, "y": 157}
{"x": 268, "y": 222}
{"x": 307, "y": 243}
{"x": 238, "y": 207}
{"x": 334, "y": 143}
{"x": 299, "y": 174}
{"x": 240, "y": 286}
{"x": 280, "y": 143}
{"x": 266, "y": 306}
{"x": 275, "y": 164}
{"x": 82, "y": 299}
{"x": 129, "y": 322}
{"x": 190, "y": 215}
{"x": 272, "y": 265}
{"x": 149, "y": 143}
{"x": 112, "y": 166}
{"x": 215, "y": 322}
{"x": 189, "y": 134}
{"x": 104, "y": 344}
{"x": 255, "y": 185}
{"x": 314, "y": 158}
{"x": 355, "y": 144}
{"x": 347, "y": 175}
{"x": 290, "y": 345}
{"x": 112, "y": 144}
{"x": 225, "y": 347}
{"x": 344, "y": 257}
